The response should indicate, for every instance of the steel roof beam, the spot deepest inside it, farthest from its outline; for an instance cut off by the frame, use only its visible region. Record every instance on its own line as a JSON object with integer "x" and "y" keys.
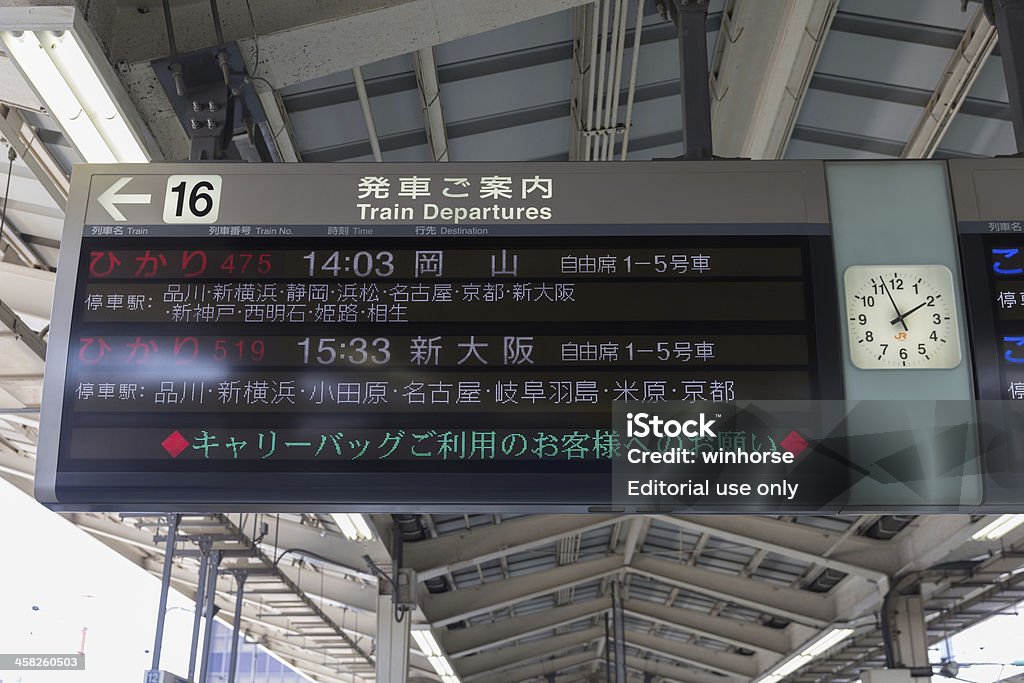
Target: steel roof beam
{"x": 34, "y": 154}
{"x": 442, "y": 609}
{"x": 13, "y": 88}
{"x": 805, "y": 607}
{"x": 672, "y": 671}
{"x": 482, "y": 667}
{"x": 468, "y": 641}
{"x": 452, "y": 552}
{"x": 330, "y": 546}
{"x": 857, "y": 555}
{"x": 766, "y": 54}
{"x": 752, "y": 636}
{"x": 430, "y": 99}
{"x": 728, "y": 667}
{"x": 532, "y": 672}
{"x": 277, "y": 120}
{"x": 185, "y": 580}
{"x": 966, "y": 64}
{"x": 931, "y": 539}
{"x": 733, "y": 667}
{"x": 342, "y": 35}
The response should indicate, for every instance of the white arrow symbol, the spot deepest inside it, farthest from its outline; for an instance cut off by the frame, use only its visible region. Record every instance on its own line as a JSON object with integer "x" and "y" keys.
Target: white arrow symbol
{"x": 109, "y": 199}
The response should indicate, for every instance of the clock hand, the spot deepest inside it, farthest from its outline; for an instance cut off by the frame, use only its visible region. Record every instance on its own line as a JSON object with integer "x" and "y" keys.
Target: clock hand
{"x": 901, "y": 318}
{"x": 895, "y": 307}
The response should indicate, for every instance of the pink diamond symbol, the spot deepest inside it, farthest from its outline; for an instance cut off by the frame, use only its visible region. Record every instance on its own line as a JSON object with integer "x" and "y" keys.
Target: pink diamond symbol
{"x": 175, "y": 444}
{"x": 794, "y": 443}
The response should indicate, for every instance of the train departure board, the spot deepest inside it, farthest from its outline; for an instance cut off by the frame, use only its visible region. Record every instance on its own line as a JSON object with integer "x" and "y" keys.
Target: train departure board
{"x": 990, "y": 215}
{"x": 417, "y": 336}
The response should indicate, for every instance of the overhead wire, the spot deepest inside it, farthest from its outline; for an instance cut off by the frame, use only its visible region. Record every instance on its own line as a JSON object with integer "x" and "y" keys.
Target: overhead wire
{"x": 255, "y": 41}
{"x": 11, "y": 156}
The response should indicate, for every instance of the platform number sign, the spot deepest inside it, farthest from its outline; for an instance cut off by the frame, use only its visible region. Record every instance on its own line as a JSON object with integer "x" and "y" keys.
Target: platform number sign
{"x": 192, "y": 199}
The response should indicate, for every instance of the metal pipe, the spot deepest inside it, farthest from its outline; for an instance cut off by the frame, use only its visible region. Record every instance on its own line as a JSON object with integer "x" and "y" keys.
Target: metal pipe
{"x": 211, "y": 599}
{"x": 619, "y": 626}
{"x": 607, "y": 650}
{"x": 606, "y": 77}
{"x": 603, "y": 34}
{"x": 576, "y": 101}
{"x": 236, "y": 624}
{"x": 585, "y": 140}
{"x": 634, "y": 60}
{"x": 169, "y": 25}
{"x": 204, "y": 551}
{"x": 225, "y": 70}
{"x": 364, "y": 102}
{"x": 609, "y": 150}
{"x": 215, "y": 11}
{"x": 613, "y": 47}
{"x": 165, "y": 585}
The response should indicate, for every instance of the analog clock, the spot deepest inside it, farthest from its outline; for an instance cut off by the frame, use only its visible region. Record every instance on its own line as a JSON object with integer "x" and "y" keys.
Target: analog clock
{"x": 902, "y": 317}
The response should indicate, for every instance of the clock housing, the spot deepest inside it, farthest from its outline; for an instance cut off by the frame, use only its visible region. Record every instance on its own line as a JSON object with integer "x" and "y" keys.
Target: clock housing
{"x": 902, "y": 317}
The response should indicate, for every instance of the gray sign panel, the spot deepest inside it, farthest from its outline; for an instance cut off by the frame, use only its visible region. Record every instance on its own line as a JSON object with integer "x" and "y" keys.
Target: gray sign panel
{"x": 413, "y": 337}
{"x": 989, "y": 207}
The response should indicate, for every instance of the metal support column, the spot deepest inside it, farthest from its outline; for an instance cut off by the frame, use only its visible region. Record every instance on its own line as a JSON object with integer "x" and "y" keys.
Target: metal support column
{"x": 236, "y": 623}
{"x": 905, "y": 632}
{"x": 204, "y": 554}
{"x": 211, "y": 599}
{"x": 165, "y": 586}
{"x": 1008, "y": 17}
{"x": 619, "y": 629}
{"x": 690, "y": 18}
{"x": 607, "y": 649}
{"x": 393, "y": 620}
{"x": 392, "y": 638}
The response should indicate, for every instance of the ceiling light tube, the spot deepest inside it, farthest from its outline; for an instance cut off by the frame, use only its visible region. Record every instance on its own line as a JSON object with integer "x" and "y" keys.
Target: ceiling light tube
{"x": 67, "y": 55}
{"x": 835, "y": 636}
{"x": 808, "y": 655}
{"x": 353, "y": 526}
{"x": 60, "y": 58}
{"x": 999, "y": 528}
{"x": 27, "y": 52}
{"x": 441, "y": 666}
{"x": 427, "y": 644}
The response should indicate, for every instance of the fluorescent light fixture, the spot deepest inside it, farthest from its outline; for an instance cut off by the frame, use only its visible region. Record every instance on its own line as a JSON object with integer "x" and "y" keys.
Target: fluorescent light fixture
{"x": 432, "y": 651}
{"x": 441, "y": 666}
{"x": 353, "y": 525}
{"x": 69, "y": 79}
{"x": 809, "y": 653}
{"x": 834, "y": 637}
{"x": 427, "y": 644}
{"x": 999, "y": 528}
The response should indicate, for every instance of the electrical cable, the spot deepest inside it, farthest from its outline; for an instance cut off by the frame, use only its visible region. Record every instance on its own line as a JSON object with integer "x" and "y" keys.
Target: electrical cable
{"x": 169, "y": 26}
{"x": 381, "y": 574}
{"x": 248, "y": 81}
{"x": 11, "y": 156}
{"x": 215, "y": 11}
{"x": 255, "y": 41}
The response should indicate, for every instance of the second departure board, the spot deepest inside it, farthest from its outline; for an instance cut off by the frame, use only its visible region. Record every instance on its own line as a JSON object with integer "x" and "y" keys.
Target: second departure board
{"x": 990, "y": 213}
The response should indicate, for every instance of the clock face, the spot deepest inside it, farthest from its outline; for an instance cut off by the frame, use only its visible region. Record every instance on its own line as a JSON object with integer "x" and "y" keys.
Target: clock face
{"x": 902, "y": 317}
